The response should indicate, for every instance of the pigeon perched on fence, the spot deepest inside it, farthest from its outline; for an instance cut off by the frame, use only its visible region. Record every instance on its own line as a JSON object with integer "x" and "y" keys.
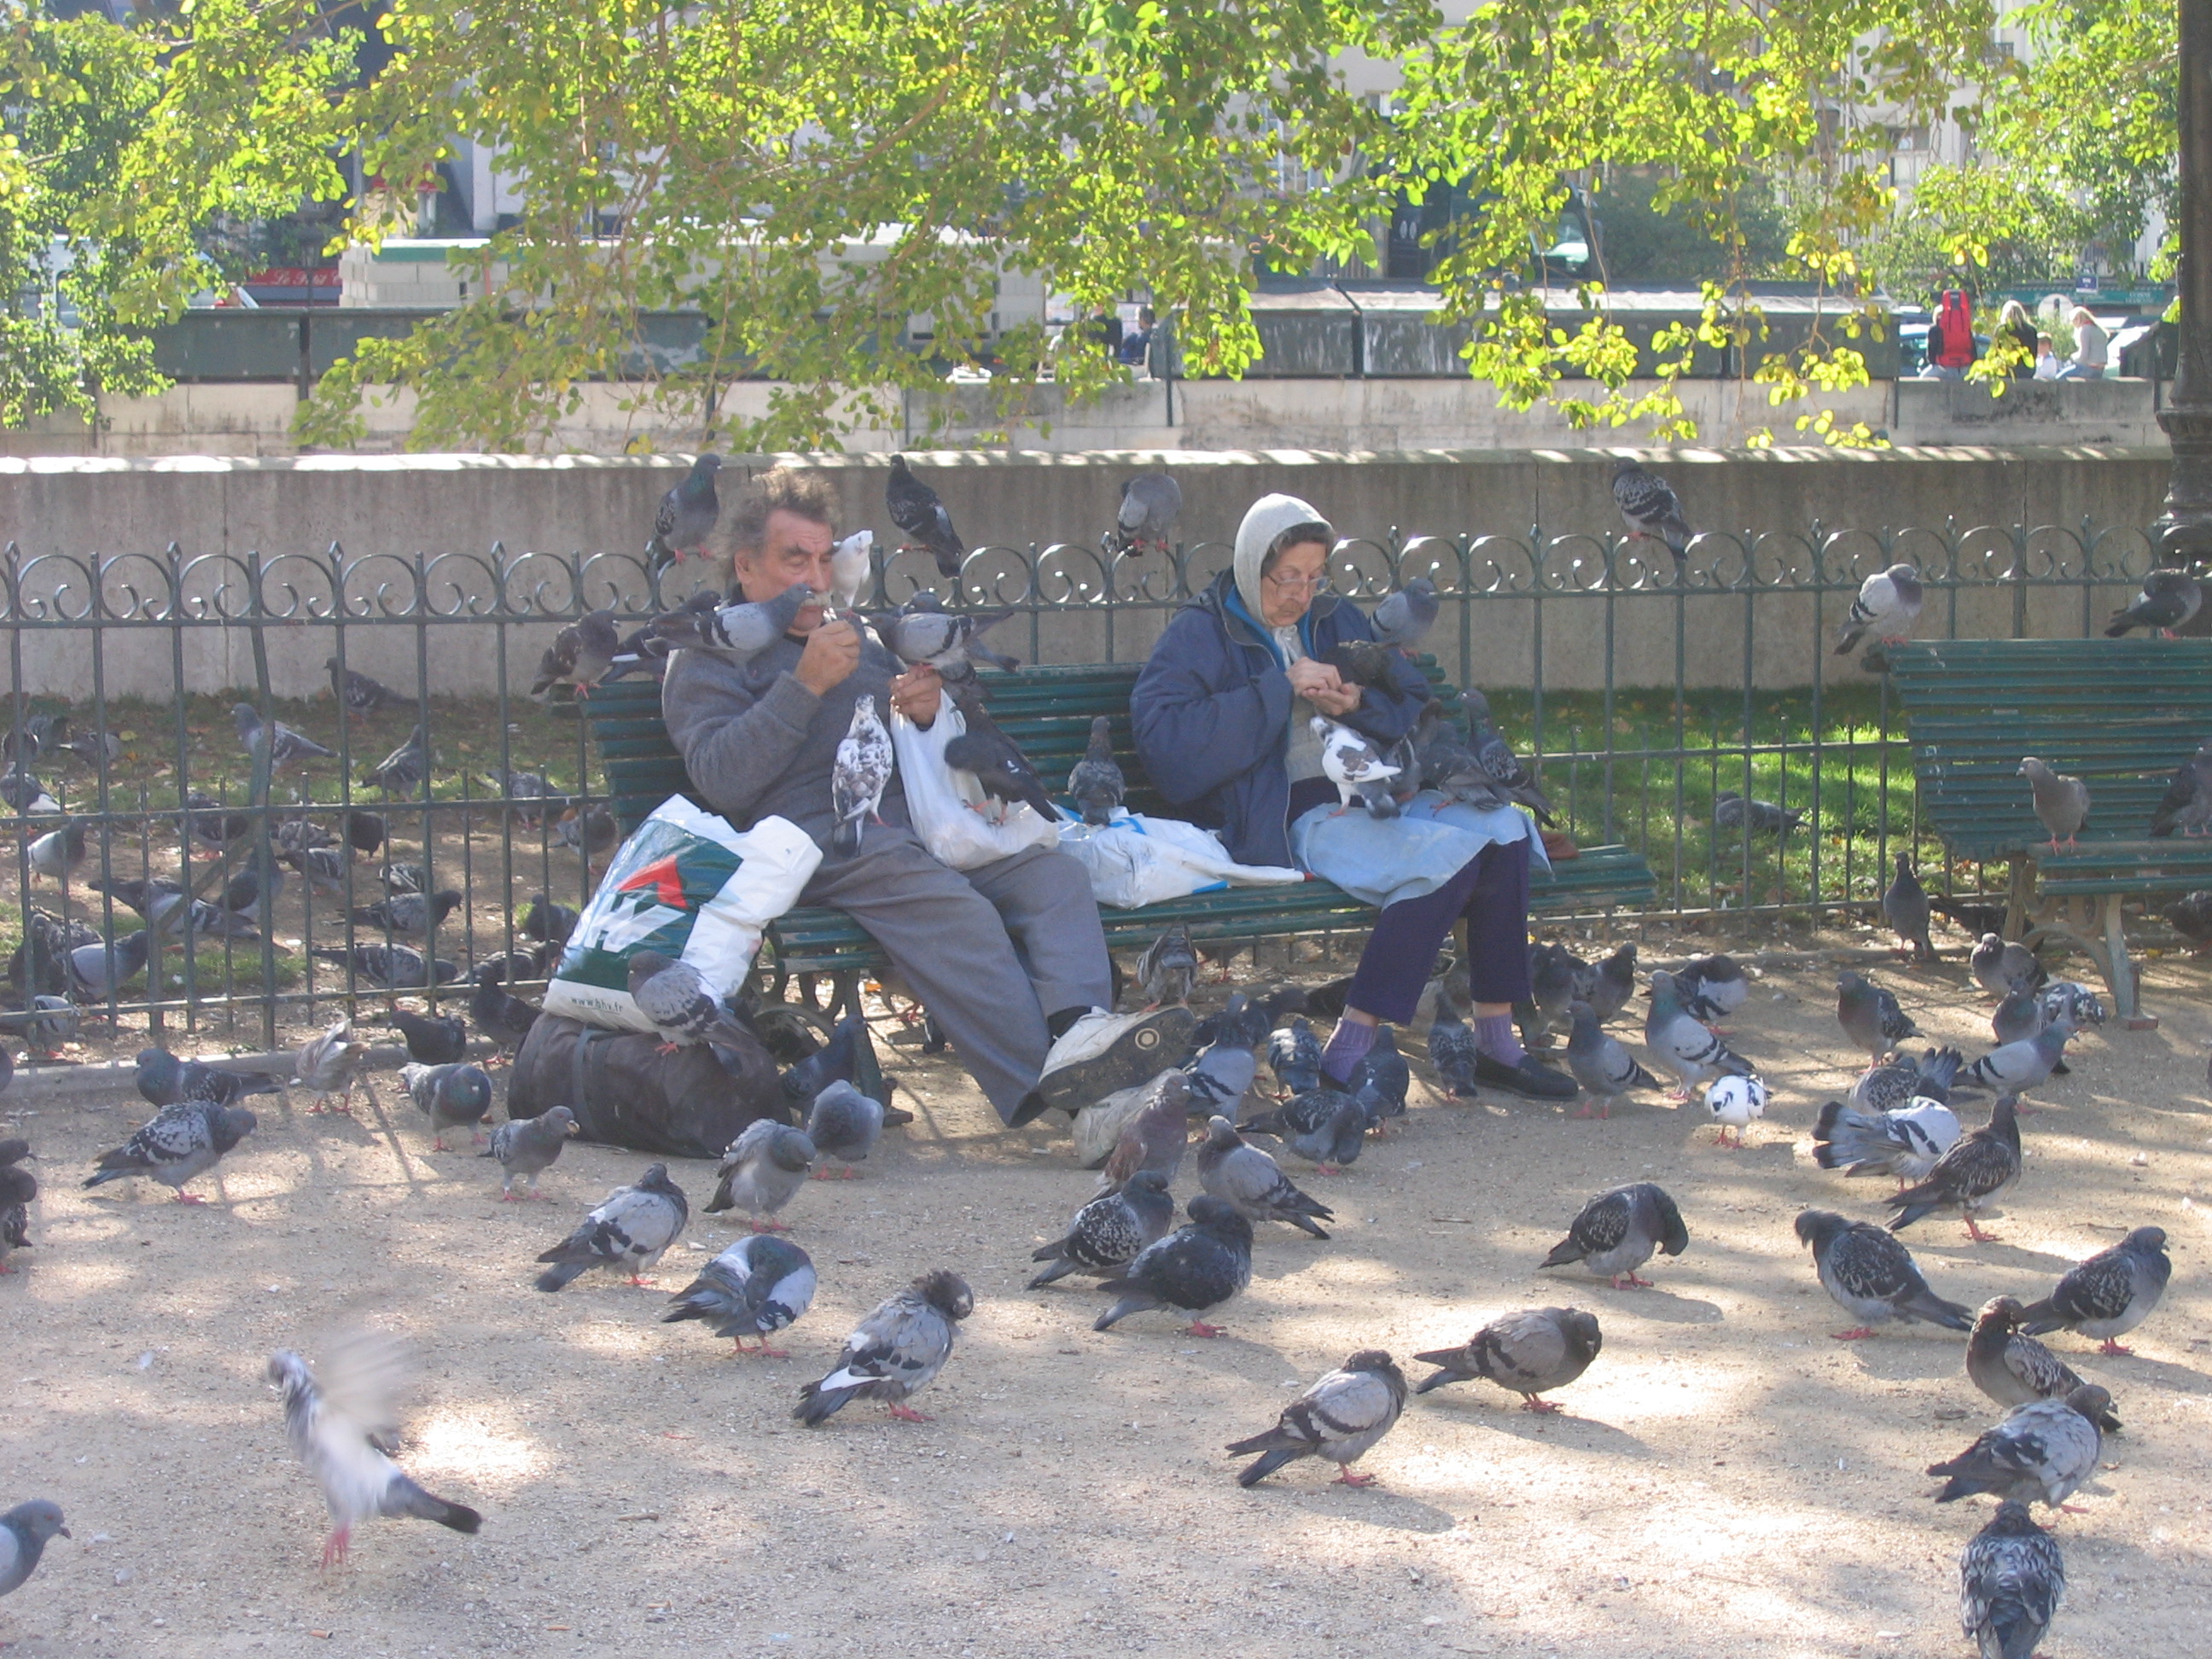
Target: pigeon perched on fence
{"x": 896, "y": 1351}
{"x": 1600, "y": 1064}
{"x": 1530, "y": 1351}
{"x": 757, "y": 1286}
{"x": 1110, "y": 1230}
{"x": 2011, "y": 1581}
{"x": 765, "y": 1166}
{"x": 1096, "y": 783}
{"x": 1617, "y": 1232}
{"x": 2012, "y": 1367}
{"x": 340, "y": 1420}
{"x": 528, "y": 1147}
{"x": 1326, "y": 1126}
{"x": 1339, "y": 1419}
{"x": 1351, "y": 761}
{"x": 915, "y": 509}
{"x": 950, "y": 641}
{"x": 2062, "y": 803}
{"x": 1732, "y": 810}
{"x": 181, "y": 1144}
{"x": 24, "y": 1531}
{"x": 1974, "y": 1171}
{"x": 1232, "y": 1169}
{"x": 672, "y": 995}
{"x": 1498, "y": 758}
{"x": 580, "y": 655}
{"x": 325, "y": 1065}
{"x": 859, "y": 776}
{"x": 450, "y": 1096}
{"x": 1649, "y": 507}
{"x": 1871, "y": 1017}
{"x": 686, "y": 515}
{"x": 2169, "y": 598}
{"x": 2039, "y": 1451}
{"x": 631, "y": 1230}
{"x": 402, "y": 771}
{"x": 1151, "y": 503}
{"x": 359, "y": 693}
{"x": 2187, "y": 806}
{"x": 1871, "y": 1276}
{"x": 2110, "y": 1294}
{"x": 1194, "y": 1269}
{"x": 1887, "y": 605}
{"x": 1684, "y": 1045}
{"x": 736, "y": 633}
{"x": 285, "y": 745}
{"x": 1404, "y": 618}
{"x": 1905, "y": 907}
{"x": 844, "y": 1126}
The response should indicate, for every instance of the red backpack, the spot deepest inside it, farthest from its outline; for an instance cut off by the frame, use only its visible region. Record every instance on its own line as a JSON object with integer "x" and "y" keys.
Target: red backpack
{"x": 1952, "y": 339}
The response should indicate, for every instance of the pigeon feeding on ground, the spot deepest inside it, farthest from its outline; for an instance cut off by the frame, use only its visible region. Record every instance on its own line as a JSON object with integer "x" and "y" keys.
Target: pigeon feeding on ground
{"x": 1230, "y": 1167}
{"x": 1381, "y": 1080}
{"x": 1610, "y": 981}
{"x": 1888, "y": 604}
{"x": 24, "y": 1532}
{"x": 450, "y": 1096}
{"x": 1355, "y": 765}
{"x": 504, "y": 1018}
{"x": 1732, "y": 810}
{"x": 1169, "y": 969}
{"x": 588, "y": 830}
{"x": 630, "y": 1231}
{"x": 1710, "y": 987}
{"x": 1649, "y": 507}
{"x": 1405, "y": 617}
{"x": 1096, "y": 783}
{"x": 914, "y": 508}
{"x": 1684, "y": 1045}
{"x": 528, "y": 1147}
{"x": 402, "y": 771}
{"x": 993, "y": 760}
{"x": 1872, "y": 1276}
{"x": 1221, "y": 1074}
{"x": 1326, "y": 1126}
{"x": 1151, "y": 503}
{"x": 25, "y": 794}
{"x": 1452, "y": 1051}
{"x": 360, "y": 694}
{"x": 432, "y": 1040}
{"x": 1194, "y": 1269}
{"x": 1905, "y": 907}
{"x": 844, "y": 1126}
{"x": 2062, "y": 803}
{"x": 2187, "y": 806}
{"x": 950, "y": 641}
{"x": 2001, "y": 967}
{"x": 765, "y": 1166}
{"x": 1904, "y": 1141}
{"x": 413, "y": 915}
{"x": 836, "y": 1062}
{"x": 1871, "y": 1017}
{"x": 2039, "y": 1451}
{"x": 18, "y": 1189}
{"x": 859, "y": 776}
{"x": 896, "y": 1351}
{"x": 1111, "y": 1230}
{"x": 1617, "y": 1232}
{"x": 2016, "y": 1067}
{"x": 327, "y": 1064}
{"x": 1600, "y": 1064}
{"x": 2190, "y": 916}
{"x": 1339, "y": 1419}
{"x": 1970, "y": 917}
{"x": 2011, "y": 1581}
{"x": 737, "y": 633}
{"x": 2110, "y": 1294}
{"x": 1974, "y": 1171}
{"x": 757, "y": 1286}
{"x": 2168, "y": 599}
{"x": 1155, "y": 1134}
{"x": 580, "y": 655}
{"x": 285, "y": 745}
{"x": 1530, "y": 1351}
{"x": 1498, "y": 759}
{"x": 686, "y": 515}
{"x": 547, "y": 922}
{"x": 165, "y": 1080}
{"x": 2012, "y": 1367}
{"x": 674, "y": 997}
{"x": 182, "y": 1143}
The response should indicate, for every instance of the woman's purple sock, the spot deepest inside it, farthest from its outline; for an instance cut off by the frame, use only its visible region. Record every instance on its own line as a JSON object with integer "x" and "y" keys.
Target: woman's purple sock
{"x": 1494, "y": 1036}
{"x": 1347, "y": 1046}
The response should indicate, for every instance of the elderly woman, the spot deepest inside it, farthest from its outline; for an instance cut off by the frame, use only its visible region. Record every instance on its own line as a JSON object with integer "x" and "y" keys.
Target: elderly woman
{"x": 1225, "y": 715}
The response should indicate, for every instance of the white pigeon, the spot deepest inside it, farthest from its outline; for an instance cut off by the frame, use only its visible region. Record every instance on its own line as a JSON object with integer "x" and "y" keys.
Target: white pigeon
{"x": 1887, "y": 605}
{"x": 851, "y": 562}
{"x": 862, "y": 771}
{"x": 1356, "y": 766}
{"x": 1734, "y": 1102}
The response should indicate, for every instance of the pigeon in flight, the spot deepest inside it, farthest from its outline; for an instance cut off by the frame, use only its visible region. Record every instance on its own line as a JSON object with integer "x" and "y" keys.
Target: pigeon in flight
{"x": 1649, "y": 507}
{"x": 914, "y": 508}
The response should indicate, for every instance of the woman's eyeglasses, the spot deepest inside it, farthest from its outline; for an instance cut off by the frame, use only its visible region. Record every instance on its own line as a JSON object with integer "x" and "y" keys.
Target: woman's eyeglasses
{"x": 1294, "y": 584}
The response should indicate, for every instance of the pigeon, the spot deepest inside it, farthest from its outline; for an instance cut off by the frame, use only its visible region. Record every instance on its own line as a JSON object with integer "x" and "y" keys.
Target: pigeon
{"x": 1980, "y": 1166}
{"x": 37, "y": 734}
{"x": 95, "y": 749}
{"x": 950, "y": 641}
{"x": 896, "y": 1351}
{"x": 1194, "y": 1269}
{"x": 49, "y": 1023}
{"x": 1734, "y": 811}
{"x": 364, "y": 831}
{"x": 1241, "y": 1175}
{"x": 1530, "y": 1351}
{"x": 2190, "y": 916}
{"x": 673, "y": 996}
{"x": 2169, "y": 598}
{"x": 580, "y": 655}
{"x": 2108, "y": 1295}
{"x": 18, "y": 1189}
{"x": 326, "y": 1065}
{"x": 1649, "y": 507}
{"x": 2017, "y": 1068}
{"x": 403, "y": 770}
{"x": 2071, "y": 1000}
{"x": 857, "y": 779}
{"x": 324, "y": 867}
{"x": 2001, "y": 968}
{"x": 736, "y": 633}
{"x": 1710, "y": 987}
{"x": 42, "y": 964}
{"x": 393, "y": 966}
{"x": 140, "y": 893}
{"x": 837, "y": 1061}
{"x": 1109, "y": 1231}
{"x": 686, "y": 515}
{"x": 242, "y": 895}
{"x": 1617, "y": 1232}
{"x": 1976, "y": 919}
{"x": 1683, "y": 1045}
{"x": 432, "y": 1040}
{"x": 2186, "y": 806}
{"x": 914, "y": 508}
{"x": 1340, "y": 1419}
{"x": 1552, "y": 970}
{"x": 2041, "y": 1450}
{"x": 1872, "y": 1276}
{"x": 587, "y": 830}
{"x": 1886, "y": 1085}
{"x": 1382, "y": 1079}
{"x": 1600, "y": 1064}
{"x": 201, "y": 920}
{"x": 1404, "y": 619}
{"x": 165, "y": 1080}
{"x": 763, "y": 1167}
{"x": 1294, "y": 1056}
{"x": 1498, "y": 760}
{"x": 527, "y": 1147}
{"x": 19, "y": 790}
{"x": 2017, "y": 1017}
{"x": 1169, "y": 969}
{"x": 449, "y": 1095}
{"x": 1096, "y": 783}
{"x": 360, "y": 694}
{"x": 547, "y": 922}
{"x": 1611, "y": 982}
{"x": 340, "y": 1422}
{"x": 182, "y": 1143}
{"x": 2062, "y": 803}
{"x": 1871, "y": 1017}
{"x": 630, "y": 1229}
{"x": 1221, "y": 1075}
{"x": 757, "y": 1286}
{"x": 517, "y": 790}
{"x": 1155, "y": 1134}
{"x": 2013, "y": 1368}
{"x": 1150, "y": 502}
{"x": 1449, "y": 766}
{"x": 59, "y": 853}
{"x": 24, "y": 1533}
{"x": 852, "y": 562}
{"x": 414, "y": 916}
{"x": 1356, "y": 766}
{"x": 99, "y": 971}
{"x": 1905, "y": 907}
{"x": 1904, "y": 1141}
{"x": 993, "y": 760}
{"x": 504, "y": 1018}
{"x": 1326, "y": 1126}
{"x": 844, "y": 1125}
{"x": 285, "y": 745}
{"x": 1887, "y": 605}
{"x": 1363, "y": 662}
{"x": 209, "y": 824}
{"x": 2011, "y": 1581}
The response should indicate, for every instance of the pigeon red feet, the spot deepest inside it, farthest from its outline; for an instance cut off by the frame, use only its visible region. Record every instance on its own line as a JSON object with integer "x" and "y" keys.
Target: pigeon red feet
{"x": 636, "y": 1283}
{"x": 668, "y": 1048}
{"x": 763, "y": 1351}
{"x": 1979, "y": 1235}
{"x": 1348, "y": 1479}
{"x": 1200, "y": 1328}
{"x": 184, "y": 1197}
{"x": 336, "y": 1546}
{"x": 1857, "y": 1334}
{"x": 1629, "y": 1281}
{"x": 2111, "y": 1347}
{"x": 1532, "y": 1404}
{"x": 907, "y": 1414}
{"x": 769, "y": 1227}
{"x": 1326, "y": 1169}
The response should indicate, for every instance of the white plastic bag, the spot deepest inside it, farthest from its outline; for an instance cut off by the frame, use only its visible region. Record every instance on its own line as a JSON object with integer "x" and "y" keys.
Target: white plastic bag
{"x": 956, "y": 833}
{"x": 1138, "y": 860}
{"x": 690, "y": 886}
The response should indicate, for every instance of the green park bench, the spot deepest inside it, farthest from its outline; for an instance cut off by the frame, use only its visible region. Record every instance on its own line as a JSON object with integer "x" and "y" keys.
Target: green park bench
{"x": 1048, "y": 711}
{"x": 2120, "y": 714}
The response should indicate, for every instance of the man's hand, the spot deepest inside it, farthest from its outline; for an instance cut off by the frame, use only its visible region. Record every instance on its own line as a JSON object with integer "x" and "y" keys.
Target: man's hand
{"x": 918, "y": 694}
{"x": 1323, "y": 687}
{"x": 832, "y": 653}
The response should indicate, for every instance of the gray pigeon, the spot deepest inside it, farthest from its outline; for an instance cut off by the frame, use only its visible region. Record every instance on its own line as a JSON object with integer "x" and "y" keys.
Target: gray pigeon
{"x": 2017, "y": 1019}
{"x": 1449, "y": 766}
{"x": 2042, "y": 1450}
{"x": 24, "y": 1531}
{"x": 2108, "y": 1295}
{"x": 18, "y": 1188}
{"x": 737, "y": 633}
{"x": 580, "y": 655}
{"x": 896, "y": 1351}
{"x": 1601, "y": 1065}
{"x": 1530, "y": 1351}
{"x": 2169, "y": 598}
{"x": 2186, "y": 806}
{"x": 1710, "y": 987}
{"x": 1682, "y": 1044}
{"x": 859, "y": 776}
{"x": 340, "y": 1422}
{"x": 950, "y": 641}
{"x": 1975, "y": 1170}
{"x": 1649, "y": 507}
{"x": 1222, "y": 1073}
{"x": 1096, "y": 783}
{"x": 285, "y": 745}
{"x": 182, "y": 1143}
{"x": 1151, "y": 503}
{"x": 1888, "y": 604}
{"x": 1553, "y": 969}
{"x": 1168, "y": 971}
{"x": 1194, "y": 1269}
{"x": 631, "y": 1230}
{"x": 845, "y": 1125}
{"x": 450, "y": 1096}
{"x": 1903, "y": 1140}
{"x": 765, "y": 1166}
{"x": 2190, "y": 916}
{"x": 1905, "y": 907}
{"x": 1732, "y": 810}
{"x": 99, "y": 971}
{"x": 686, "y": 515}
{"x": 60, "y": 853}
{"x": 402, "y": 771}
{"x": 527, "y": 1147}
{"x": 2019, "y": 1067}
{"x": 1872, "y": 1276}
{"x": 165, "y": 1080}
{"x": 2012, "y": 1367}
{"x": 1294, "y": 1056}
{"x": 672, "y": 995}
{"x": 1404, "y": 618}
{"x": 360, "y": 694}
{"x": 25, "y": 793}
{"x": 1498, "y": 760}
{"x": 2001, "y": 967}
{"x": 1326, "y": 1126}
{"x": 758, "y": 1286}
{"x": 1110, "y": 1230}
{"x": 1871, "y": 1017}
{"x": 1339, "y": 1419}
{"x": 2011, "y": 1581}
{"x": 2062, "y": 803}
{"x": 1452, "y": 1051}
{"x": 994, "y": 761}
{"x": 1611, "y": 982}
{"x": 914, "y": 508}
{"x": 327, "y": 1064}
{"x": 412, "y": 915}
{"x": 1616, "y": 1232}
{"x": 1232, "y": 1169}
{"x": 1155, "y": 1135}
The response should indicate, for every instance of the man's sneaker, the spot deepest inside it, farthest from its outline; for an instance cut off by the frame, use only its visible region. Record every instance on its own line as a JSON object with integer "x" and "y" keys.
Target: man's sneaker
{"x": 1528, "y": 1079}
{"x": 1102, "y": 1054}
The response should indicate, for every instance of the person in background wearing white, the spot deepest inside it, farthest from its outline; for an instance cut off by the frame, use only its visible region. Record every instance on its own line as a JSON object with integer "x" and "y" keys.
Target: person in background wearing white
{"x": 2046, "y": 360}
{"x": 2091, "y": 347}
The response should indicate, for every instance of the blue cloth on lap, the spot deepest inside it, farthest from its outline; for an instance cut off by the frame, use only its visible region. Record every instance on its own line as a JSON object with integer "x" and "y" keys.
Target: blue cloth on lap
{"x": 1383, "y": 860}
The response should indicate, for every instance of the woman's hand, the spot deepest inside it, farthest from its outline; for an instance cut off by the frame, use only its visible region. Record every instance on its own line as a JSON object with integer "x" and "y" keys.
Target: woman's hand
{"x": 918, "y": 694}
{"x": 1323, "y": 687}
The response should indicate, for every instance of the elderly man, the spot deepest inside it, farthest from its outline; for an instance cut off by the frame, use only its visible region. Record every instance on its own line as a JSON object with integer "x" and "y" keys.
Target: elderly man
{"x": 1009, "y": 957}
